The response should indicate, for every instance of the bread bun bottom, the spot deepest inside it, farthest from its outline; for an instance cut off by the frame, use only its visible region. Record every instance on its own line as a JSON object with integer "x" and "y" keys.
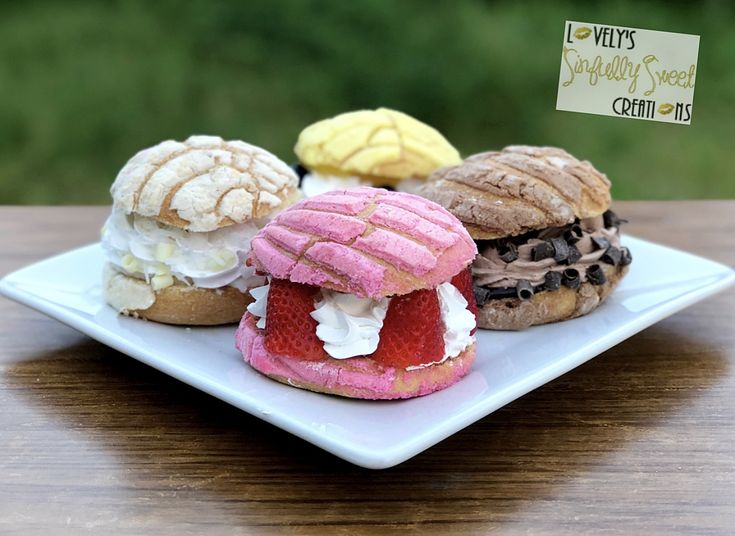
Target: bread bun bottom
{"x": 548, "y": 305}
{"x": 357, "y": 377}
{"x": 177, "y": 304}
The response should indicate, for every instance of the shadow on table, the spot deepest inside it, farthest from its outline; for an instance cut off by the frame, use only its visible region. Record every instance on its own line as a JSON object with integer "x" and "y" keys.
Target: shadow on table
{"x": 173, "y": 445}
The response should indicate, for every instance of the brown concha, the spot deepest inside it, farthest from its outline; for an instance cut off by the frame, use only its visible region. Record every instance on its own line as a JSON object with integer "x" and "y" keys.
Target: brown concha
{"x": 519, "y": 189}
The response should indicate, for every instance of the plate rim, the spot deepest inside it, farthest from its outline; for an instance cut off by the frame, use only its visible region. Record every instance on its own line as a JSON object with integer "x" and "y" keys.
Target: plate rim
{"x": 368, "y": 457}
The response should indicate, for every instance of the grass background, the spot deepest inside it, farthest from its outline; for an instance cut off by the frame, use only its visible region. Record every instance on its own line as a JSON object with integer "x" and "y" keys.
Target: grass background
{"x": 85, "y": 84}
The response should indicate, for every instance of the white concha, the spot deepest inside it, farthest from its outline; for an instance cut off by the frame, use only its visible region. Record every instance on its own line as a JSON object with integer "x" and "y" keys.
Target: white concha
{"x": 204, "y": 183}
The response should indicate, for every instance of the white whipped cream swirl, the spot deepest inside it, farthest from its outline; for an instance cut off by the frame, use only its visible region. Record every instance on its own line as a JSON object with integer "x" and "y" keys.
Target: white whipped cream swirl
{"x": 348, "y": 325}
{"x": 147, "y": 249}
{"x": 458, "y": 320}
{"x": 315, "y": 183}
{"x": 259, "y": 307}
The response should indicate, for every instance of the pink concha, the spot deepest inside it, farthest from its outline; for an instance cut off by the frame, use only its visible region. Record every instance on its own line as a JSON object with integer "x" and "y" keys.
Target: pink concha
{"x": 365, "y": 241}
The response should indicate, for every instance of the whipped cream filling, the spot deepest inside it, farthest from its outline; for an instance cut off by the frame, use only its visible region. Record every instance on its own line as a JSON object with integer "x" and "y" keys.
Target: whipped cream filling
{"x": 457, "y": 318}
{"x": 489, "y": 270}
{"x": 349, "y": 326}
{"x": 315, "y": 183}
{"x": 259, "y": 307}
{"x": 158, "y": 253}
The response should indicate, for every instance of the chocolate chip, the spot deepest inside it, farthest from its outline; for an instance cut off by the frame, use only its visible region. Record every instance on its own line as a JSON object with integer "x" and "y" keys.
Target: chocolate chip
{"x": 552, "y": 280}
{"x": 626, "y": 258}
{"x": 485, "y": 294}
{"x": 610, "y": 219}
{"x": 508, "y": 252}
{"x": 612, "y": 256}
{"x": 561, "y": 249}
{"x": 482, "y": 295}
{"x": 524, "y": 290}
{"x": 573, "y": 234}
{"x": 595, "y": 275}
{"x": 573, "y": 256}
{"x": 499, "y": 293}
{"x": 570, "y": 278}
{"x": 542, "y": 251}
{"x": 299, "y": 170}
{"x": 600, "y": 242}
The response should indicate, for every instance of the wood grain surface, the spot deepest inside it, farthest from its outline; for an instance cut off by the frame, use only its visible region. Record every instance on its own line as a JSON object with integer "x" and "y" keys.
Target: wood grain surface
{"x": 640, "y": 440}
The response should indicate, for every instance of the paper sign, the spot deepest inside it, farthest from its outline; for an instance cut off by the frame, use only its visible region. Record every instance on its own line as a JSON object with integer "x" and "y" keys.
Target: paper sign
{"x": 627, "y": 72}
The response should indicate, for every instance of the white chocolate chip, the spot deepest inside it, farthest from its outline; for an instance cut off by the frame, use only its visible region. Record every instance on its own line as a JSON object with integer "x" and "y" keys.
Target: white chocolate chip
{"x": 131, "y": 264}
{"x": 159, "y": 282}
{"x": 221, "y": 260}
{"x": 162, "y": 269}
{"x": 164, "y": 250}
{"x": 126, "y": 293}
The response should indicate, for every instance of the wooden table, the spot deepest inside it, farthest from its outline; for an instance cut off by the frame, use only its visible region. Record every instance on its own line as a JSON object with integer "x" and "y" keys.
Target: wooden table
{"x": 640, "y": 440}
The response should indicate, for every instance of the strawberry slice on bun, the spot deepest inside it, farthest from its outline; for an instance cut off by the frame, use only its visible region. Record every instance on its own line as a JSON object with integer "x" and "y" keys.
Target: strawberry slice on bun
{"x": 369, "y": 295}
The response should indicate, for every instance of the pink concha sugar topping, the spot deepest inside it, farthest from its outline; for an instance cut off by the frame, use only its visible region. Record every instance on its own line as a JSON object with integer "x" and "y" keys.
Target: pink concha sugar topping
{"x": 365, "y": 241}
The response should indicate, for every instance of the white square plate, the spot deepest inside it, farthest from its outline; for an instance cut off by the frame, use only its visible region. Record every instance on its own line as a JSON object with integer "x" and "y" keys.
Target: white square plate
{"x": 373, "y": 434}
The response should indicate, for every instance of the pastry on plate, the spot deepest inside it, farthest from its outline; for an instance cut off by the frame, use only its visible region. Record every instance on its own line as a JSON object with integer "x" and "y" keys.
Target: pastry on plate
{"x": 182, "y": 218}
{"x": 380, "y": 147}
{"x": 549, "y": 245}
{"x": 369, "y": 296}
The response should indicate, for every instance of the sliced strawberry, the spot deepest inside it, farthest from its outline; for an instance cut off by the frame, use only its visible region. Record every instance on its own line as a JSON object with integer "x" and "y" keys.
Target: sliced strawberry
{"x": 413, "y": 331}
{"x": 463, "y": 282}
{"x": 289, "y": 329}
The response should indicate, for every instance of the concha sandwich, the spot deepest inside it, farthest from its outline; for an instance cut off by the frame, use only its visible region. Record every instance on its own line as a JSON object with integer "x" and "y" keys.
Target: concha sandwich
{"x": 549, "y": 246}
{"x": 182, "y": 218}
{"x": 369, "y": 296}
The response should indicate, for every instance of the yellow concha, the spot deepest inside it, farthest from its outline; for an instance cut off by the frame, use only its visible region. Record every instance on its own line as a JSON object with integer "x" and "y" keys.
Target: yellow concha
{"x": 382, "y": 144}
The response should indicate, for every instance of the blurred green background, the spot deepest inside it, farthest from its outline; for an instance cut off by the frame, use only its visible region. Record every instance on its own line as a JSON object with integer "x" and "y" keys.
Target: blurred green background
{"x": 85, "y": 84}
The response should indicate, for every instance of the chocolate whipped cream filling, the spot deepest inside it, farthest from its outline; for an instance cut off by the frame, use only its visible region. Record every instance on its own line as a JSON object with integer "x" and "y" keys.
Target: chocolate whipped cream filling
{"x": 522, "y": 265}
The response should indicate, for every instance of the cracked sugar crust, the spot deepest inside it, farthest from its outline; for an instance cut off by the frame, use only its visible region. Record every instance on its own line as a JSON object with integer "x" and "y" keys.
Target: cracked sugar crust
{"x": 204, "y": 183}
{"x": 519, "y": 189}
{"x": 364, "y": 241}
{"x": 378, "y": 143}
